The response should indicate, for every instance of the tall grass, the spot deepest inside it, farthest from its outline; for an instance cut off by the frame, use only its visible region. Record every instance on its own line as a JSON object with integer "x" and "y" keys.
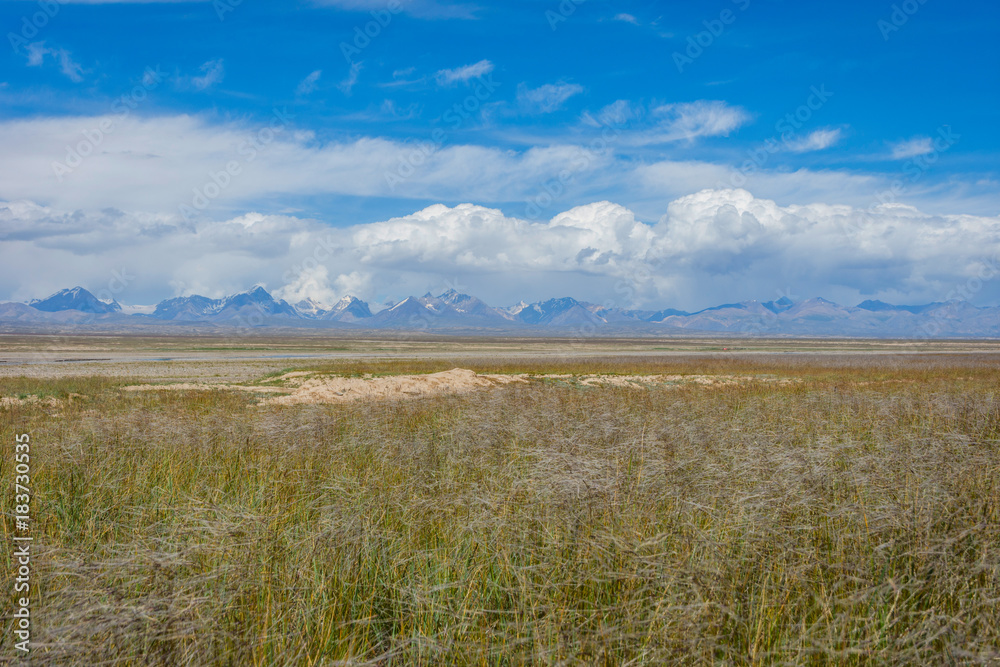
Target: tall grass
{"x": 826, "y": 522}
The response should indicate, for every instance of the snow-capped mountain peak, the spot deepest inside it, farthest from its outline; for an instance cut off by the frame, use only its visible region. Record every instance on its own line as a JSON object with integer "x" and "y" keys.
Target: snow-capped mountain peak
{"x": 76, "y": 298}
{"x": 457, "y": 311}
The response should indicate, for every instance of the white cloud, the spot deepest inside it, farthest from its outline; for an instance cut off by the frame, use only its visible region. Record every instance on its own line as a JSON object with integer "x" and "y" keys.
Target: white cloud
{"x": 447, "y": 77}
{"x": 704, "y": 118}
{"x": 420, "y": 8}
{"x": 627, "y": 18}
{"x": 547, "y": 98}
{"x": 214, "y": 71}
{"x": 308, "y": 84}
{"x": 668, "y": 123}
{"x": 71, "y": 69}
{"x": 352, "y": 78}
{"x": 393, "y": 111}
{"x": 37, "y": 53}
{"x": 617, "y": 113}
{"x": 353, "y": 283}
{"x": 708, "y": 247}
{"x": 903, "y": 150}
{"x": 156, "y": 163}
{"x": 814, "y": 141}
{"x": 310, "y": 282}
{"x": 124, "y": 2}
{"x": 425, "y": 9}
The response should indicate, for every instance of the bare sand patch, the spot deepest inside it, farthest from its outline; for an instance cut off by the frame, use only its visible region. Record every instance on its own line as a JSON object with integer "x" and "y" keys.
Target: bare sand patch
{"x": 305, "y": 387}
{"x": 648, "y": 381}
{"x": 337, "y": 389}
{"x": 635, "y": 381}
{"x": 295, "y": 378}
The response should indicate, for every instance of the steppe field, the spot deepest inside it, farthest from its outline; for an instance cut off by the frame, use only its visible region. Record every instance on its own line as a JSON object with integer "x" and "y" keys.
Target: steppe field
{"x": 313, "y": 500}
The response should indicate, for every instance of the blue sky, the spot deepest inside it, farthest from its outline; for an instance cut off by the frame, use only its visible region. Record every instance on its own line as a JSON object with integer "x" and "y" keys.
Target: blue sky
{"x": 529, "y": 109}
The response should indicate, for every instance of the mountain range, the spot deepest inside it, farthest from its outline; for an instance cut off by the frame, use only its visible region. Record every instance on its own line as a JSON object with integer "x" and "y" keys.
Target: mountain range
{"x": 453, "y": 311}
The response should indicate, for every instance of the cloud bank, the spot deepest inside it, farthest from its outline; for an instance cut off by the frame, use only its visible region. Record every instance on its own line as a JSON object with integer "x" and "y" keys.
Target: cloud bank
{"x": 707, "y": 247}
{"x": 221, "y": 169}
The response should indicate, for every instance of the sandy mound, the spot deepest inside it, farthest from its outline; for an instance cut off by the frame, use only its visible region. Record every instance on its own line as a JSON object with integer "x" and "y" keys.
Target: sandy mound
{"x": 299, "y": 387}
{"x": 337, "y": 389}
{"x": 307, "y": 387}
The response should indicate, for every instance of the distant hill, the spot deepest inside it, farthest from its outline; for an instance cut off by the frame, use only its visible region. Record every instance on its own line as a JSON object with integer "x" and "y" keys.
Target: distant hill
{"x": 454, "y": 311}
{"x": 254, "y": 303}
{"x": 75, "y": 299}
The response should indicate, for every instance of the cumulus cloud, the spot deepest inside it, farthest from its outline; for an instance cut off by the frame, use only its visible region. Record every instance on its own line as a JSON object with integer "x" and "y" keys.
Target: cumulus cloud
{"x": 353, "y": 283}
{"x": 708, "y": 247}
{"x": 309, "y": 282}
{"x": 447, "y": 77}
{"x": 714, "y": 244}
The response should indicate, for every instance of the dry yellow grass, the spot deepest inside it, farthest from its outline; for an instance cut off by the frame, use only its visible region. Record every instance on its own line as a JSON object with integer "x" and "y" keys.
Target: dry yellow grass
{"x": 849, "y": 518}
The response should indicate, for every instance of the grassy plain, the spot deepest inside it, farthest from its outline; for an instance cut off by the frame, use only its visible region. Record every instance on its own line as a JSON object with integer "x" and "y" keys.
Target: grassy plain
{"x": 851, "y": 516}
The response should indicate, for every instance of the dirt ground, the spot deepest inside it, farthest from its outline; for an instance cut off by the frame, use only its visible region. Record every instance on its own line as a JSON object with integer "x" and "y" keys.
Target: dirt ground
{"x": 303, "y": 387}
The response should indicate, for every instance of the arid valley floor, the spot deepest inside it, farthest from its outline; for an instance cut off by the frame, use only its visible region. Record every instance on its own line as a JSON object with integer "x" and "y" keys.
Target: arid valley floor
{"x": 269, "y": 500}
